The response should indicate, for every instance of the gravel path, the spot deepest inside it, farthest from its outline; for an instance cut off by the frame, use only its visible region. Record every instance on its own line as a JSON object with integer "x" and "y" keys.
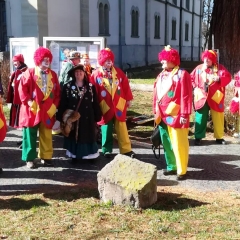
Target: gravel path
{"x": 211, "y": 167}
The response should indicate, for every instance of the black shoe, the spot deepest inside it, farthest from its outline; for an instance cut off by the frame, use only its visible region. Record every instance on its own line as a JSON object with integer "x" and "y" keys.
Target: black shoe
{"x": 74, "y": 161}
{"x": 169, "y": 172}
{"x": 107, "y": 155}
{"x": 19, "y": 143}
{"x": 1, "y": 170}
{"x": 130, "y": 154}
{"x": 197, "y": 141}
{"x": 20, "y": 146}
{"x": 221, "y": 141}
{"x": 181, "y": 177}
{"x": 47, "y": 163}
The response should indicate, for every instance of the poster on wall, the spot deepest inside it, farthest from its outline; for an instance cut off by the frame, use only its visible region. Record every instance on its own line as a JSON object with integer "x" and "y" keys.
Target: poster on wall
{"x": 54, "y": 48}
{"x": 61, "y": 46}
{"x": 26, "y": 47}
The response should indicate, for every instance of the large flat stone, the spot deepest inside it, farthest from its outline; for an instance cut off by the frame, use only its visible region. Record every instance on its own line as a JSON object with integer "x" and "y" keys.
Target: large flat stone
{"x": 127, "y": 181}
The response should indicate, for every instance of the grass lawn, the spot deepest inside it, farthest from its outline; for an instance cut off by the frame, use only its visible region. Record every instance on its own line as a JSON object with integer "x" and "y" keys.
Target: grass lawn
{"x": 6, "y": 111}
{"x": 142, "y": 81}
{"x": 78, "y": 214}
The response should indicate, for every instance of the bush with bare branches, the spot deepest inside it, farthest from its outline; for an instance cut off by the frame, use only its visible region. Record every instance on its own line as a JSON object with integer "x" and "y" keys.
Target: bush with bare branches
{"x": 5, "y": 73}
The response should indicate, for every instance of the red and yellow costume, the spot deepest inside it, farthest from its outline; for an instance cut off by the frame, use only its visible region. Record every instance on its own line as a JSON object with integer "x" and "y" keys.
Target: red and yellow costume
{"x": 45, "y": 99}
{"x": 114, "y": 94}
{"x": 13, "y": 94}
{"x": 209, "y": 93}
{"x": 172, "y": 102}
{"x": 87, "y": 66}
{"x": 3, "y": 124}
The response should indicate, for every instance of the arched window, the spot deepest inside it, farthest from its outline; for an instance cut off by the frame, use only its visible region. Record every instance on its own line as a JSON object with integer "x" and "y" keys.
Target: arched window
{"x": 134, "y": 22}
{"x": 157, "y": 26}
{"x": 174, "y": 29}
{"x": 103, "y": 16}
{"x": 106, "y": 19}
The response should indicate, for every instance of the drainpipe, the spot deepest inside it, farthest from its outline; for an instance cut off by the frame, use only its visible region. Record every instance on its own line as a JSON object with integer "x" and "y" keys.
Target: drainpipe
{"x": 120, "y": 34}
{"x": 200, "y": 28}
{"x": 180, "y": 31}
{"x": 192, "y": 42}
{"x": 166, "y": 27}
{"x": 146, "y": 32}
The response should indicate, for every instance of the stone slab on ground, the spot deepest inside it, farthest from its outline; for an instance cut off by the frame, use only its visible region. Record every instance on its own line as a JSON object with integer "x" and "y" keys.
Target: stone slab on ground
{"x": 127, "y": 181}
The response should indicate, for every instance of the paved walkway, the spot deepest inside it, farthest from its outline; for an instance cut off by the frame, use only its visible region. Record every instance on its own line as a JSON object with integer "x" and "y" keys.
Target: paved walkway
{"x": 211, "y": 167}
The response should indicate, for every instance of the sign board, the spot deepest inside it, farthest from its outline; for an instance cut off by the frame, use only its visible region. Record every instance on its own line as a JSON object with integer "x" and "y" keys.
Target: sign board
{"x": 60, "y": 47}
{"x": 26, "y": 47}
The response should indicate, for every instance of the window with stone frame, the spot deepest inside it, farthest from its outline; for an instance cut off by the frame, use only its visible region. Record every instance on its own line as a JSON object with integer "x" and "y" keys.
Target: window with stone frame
{"x": 174, "y": 29}
{"x": 186, "y": 31}
{"x": 157, "y": 26}
{"x": 103, "y": 14}
{"x": 188, "y": 4}
{"x": 134, "y": 22}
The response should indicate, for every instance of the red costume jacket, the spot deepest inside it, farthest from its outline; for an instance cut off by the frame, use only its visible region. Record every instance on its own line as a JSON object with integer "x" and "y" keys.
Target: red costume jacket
{"x": 13, "y": 94}
{"x": 205, "y": 89}
{"x": 3, "y": 124}
{"x": 44, "y": 106}
{"x": 113, "y": 100}
{"x": 172, "y": 98}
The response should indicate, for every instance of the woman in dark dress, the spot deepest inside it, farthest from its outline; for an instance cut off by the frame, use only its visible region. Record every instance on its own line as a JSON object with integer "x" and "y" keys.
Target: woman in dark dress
{"x": 81, "y": 142}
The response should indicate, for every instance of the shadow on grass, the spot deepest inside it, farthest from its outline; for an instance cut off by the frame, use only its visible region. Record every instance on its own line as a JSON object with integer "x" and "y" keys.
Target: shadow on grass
{"x": 72, "y": 193}
{"x": 16, "y": 204}
{"x": 172, "y": 202}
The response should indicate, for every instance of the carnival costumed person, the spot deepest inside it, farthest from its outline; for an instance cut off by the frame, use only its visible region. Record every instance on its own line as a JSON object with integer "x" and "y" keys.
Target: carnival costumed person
{"x": 3, "y": 124}
{"x": 114, "y": 96}
{"x": 89, "y": 69}
{"x": 79, "y": 95}
{"x": 235, "y": 102}
{"x": 74, "y": 59}
{"x": 12, "y": 94}
{"x": 87, "y": 65}
{"x": 39, "y": 92}
{"x": 209, "y": 81}
{"x": 172, "y": 105}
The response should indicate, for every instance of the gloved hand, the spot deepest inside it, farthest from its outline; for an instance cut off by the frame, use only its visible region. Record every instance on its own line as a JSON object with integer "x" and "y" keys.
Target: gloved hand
{"x": 129, "y": 103}
{"x": 183, "y": 120}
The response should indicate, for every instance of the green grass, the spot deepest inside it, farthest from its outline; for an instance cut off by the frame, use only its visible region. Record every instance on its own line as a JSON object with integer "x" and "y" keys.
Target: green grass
{"x": 6, "y": 111}
{"x": 177, "y": 214}
{"x": 142, "y": 81}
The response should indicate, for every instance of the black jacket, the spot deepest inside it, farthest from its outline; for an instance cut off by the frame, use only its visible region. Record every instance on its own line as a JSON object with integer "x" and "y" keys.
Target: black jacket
{"x": 89, "y": 110}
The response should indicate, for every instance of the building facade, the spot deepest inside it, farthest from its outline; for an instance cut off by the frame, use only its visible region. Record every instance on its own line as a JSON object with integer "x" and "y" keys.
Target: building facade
{"x": 136, "y": 30}
{"x": 3, "y": 25}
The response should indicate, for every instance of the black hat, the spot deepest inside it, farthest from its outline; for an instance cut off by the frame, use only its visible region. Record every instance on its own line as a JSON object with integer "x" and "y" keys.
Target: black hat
{"x": 77, "y": 67}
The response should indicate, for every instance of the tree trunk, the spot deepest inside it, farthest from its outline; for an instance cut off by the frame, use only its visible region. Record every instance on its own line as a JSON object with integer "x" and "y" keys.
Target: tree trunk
{"x": 225, "y": 27}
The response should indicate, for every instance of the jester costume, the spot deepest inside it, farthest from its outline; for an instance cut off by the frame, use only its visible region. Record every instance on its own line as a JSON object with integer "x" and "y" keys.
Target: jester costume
{"x": 3, "y": 125}
{"x": 209, "y": 92}
{"x": 172, "y": 101}
{"x": 13, "y": 94}
{"x": 43, "y": 90}
{"x": 87, "y": 66}
{"x": 114, "y": 94}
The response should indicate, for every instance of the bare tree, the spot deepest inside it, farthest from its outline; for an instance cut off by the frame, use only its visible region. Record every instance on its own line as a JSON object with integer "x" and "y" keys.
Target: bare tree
{"x": 226, "y": 30}
{"x": 207, "y": 18}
